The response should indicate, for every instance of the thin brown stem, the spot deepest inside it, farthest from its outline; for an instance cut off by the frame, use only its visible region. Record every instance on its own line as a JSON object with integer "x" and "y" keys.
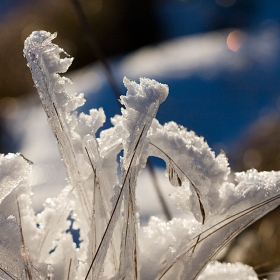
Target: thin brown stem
{"x": 164, "y": 205}
{"x": 69, "y": 269}
{"x": 25, "y": 254}
{"x": 7, "y": 273}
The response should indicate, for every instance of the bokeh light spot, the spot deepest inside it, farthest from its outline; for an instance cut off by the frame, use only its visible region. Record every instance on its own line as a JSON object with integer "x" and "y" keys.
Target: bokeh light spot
{"x": 40, "y": 174}
{"x": 235, "y": 40}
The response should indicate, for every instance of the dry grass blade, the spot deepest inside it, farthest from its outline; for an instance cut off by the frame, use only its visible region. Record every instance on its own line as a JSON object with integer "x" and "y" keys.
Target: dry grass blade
{"x": 69, "y": 269}
{"x": 97, "y": 189}
{"x": 7, "y": 273}
{"x": 197, "y": 241}
{"x": 227, "y": 222}
{"x": 111, "y": 218}
{"x": 117, "y": 202}
{"x": 43, "y": 241}
{"x": 58, "y": 117}
{"x": 242, "y": 213}
{"x": 130, "y": 222}
{"x": 62, "y": 146}
{"x": 180, "y": 256}
{"x": 93, "y": 199}
{"x": 225, "y": 243}
{"x": 25, "y": 254}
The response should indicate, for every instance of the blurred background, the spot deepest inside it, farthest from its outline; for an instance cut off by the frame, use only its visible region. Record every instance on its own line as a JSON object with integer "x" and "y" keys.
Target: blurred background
{"x": 220, "y": 59}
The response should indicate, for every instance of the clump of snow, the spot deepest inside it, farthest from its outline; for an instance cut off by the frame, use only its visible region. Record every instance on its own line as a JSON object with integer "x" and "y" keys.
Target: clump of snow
{"x": 221, "y": 271}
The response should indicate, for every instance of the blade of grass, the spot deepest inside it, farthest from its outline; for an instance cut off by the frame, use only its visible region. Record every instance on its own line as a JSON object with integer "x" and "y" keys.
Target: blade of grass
{"x": 7, "y": 273}
{"x": 25, "y": 254}
{"x": 69, "y": 269}
{"x": 202, "y": 211}
{"x": 233, "y": 217}
{"x": 119, "y": 199}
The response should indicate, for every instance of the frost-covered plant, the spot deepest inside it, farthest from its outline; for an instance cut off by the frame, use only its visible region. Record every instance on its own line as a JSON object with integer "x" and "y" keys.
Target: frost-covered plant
{"x": 103, "y": 204}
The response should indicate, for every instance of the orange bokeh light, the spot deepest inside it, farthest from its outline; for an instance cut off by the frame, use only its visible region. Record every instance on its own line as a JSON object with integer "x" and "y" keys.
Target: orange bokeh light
{"x": 235, "y": 40}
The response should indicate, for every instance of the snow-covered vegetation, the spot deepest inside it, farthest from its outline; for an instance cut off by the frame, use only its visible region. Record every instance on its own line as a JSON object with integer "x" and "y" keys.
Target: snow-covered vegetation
{"x": 100, "y": 199}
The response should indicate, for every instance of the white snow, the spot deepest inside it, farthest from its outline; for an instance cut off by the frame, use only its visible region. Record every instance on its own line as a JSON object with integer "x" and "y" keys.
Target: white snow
{"x": 215, "y": 209}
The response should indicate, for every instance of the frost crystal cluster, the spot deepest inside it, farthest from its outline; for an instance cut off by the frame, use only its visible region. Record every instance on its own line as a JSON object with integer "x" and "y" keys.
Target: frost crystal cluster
{"x": 103, "y": 203}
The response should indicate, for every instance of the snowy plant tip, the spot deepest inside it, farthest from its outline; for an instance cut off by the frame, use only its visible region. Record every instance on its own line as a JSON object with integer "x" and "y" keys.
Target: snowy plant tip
{"x": 38, "y": 38}
{"x": 39, "y": 44}
{"x": 142, "y": 102}
{"x": 141, "y": 95}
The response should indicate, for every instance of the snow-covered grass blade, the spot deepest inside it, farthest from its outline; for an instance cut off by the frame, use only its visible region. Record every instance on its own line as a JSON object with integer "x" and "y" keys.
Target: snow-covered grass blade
{"x": 113, "y": 245}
